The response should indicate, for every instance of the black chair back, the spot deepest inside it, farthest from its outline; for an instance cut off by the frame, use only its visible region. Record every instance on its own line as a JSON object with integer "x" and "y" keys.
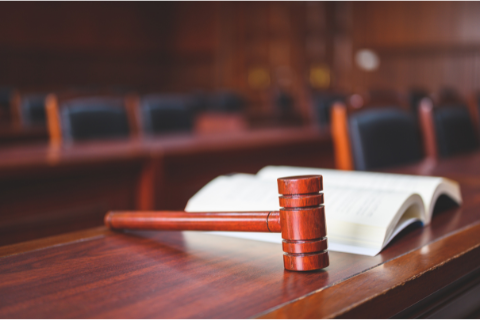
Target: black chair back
{"x": 322, "y": 103}
{"x": 32, "y": 108}
{"x": 284, "y": 103}
{"x": 414, "y": 98}
{"x": 384, "y": 137}
{"x": 166, "y": 114}
{"x": 94, "y": 119}
{"x": 228, "y": 102}
{"x": 448, "y": 96}
{"x": 200, "y": 101}
{"x": 5, "y": 101}
{"x": 454, "y": 130}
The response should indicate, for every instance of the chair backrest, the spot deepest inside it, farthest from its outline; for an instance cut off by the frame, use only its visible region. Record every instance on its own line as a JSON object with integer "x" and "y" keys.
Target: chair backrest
{"x": 88, "y": 118}
{"x": 476, "y": 110}
{"x": 449, "y": 96}
{"x": 427, "y": 126}
{"x": 454, "y": 130}
{"x": 166, "y": 114}
{"x": 226, "y": 101}
{"x": 284, "y": 102}
{"x": 30, "y": 109}
{"x": 383, "y": 137}
{"x": 200, "y": 101}
{"x": 323, "y": 104}
{"x": 415, "y": 96}
{"x": 6, "y": 94}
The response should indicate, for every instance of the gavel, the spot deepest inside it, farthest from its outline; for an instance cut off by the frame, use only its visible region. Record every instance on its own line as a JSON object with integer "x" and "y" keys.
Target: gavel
{"x": 301, "y": 220}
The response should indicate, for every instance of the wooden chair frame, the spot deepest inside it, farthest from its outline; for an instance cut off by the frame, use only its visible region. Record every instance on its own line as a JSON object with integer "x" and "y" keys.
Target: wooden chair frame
{"x": 427, "y": 127}
{"x": 341, "y": 138}
{"x": 53, "y": 105}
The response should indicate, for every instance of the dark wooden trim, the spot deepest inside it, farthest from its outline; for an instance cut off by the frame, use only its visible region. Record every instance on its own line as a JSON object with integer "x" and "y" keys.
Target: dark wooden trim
{"x": 441, "y": 301}
{"x": 427, "y": 127}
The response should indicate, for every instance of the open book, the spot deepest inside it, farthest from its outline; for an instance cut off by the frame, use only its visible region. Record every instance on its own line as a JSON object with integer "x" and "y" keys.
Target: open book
{"x": 364, "y": 210}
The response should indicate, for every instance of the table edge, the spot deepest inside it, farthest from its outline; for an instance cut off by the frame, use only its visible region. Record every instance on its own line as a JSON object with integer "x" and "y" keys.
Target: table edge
{"x": 342, "y": 299}
{"x": 53, "y": 241}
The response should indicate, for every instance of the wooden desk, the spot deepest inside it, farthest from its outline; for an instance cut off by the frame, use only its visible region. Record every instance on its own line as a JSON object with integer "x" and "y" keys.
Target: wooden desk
{"x": 11, "y": 135}
{"x": 46, "y": 191}
{"x": 99, "y": 273}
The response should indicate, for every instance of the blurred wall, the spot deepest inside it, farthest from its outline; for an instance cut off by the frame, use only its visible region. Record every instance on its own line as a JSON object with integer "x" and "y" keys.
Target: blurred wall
{"x": 423, "y": 44}
{"x": 91, "y": 43}
{"x": 106, "y": 43}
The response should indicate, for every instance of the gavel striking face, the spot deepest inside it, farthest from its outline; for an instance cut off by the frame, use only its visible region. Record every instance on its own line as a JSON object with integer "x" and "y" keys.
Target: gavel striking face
{"x": 301, "y": 220}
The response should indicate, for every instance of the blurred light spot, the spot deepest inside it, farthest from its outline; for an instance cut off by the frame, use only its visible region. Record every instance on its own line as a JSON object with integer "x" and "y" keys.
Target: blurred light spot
{"x": 258, "y": 78}
{"x": 425, "y": 250}
{"x": 367, "y": 60}
{"x": 320, "y": 77}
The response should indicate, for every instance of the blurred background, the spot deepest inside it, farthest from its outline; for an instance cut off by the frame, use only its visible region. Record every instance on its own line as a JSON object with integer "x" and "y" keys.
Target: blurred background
{"x": 137, "y": 105}
{"x": 252, "y": 48}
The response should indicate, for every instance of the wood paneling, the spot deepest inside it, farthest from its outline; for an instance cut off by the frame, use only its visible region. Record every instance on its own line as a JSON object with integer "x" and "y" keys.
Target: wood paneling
{"x": 408, "y": 24}
{"x": 84, "y": 44}
{"x": 282, "y": 41}
{"x": 209, "y": 46}
{"x": 420, "y": 44}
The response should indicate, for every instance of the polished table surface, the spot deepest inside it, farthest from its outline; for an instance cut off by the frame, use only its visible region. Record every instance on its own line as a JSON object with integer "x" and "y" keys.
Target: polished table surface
{"x": 99, "y": 273}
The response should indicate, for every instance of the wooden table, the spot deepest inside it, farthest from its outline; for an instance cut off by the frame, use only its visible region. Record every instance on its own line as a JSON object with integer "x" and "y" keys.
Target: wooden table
{"x": 431, "y": 271}
{"x": 46, "y": 190}
{"x": 11, "y": 135}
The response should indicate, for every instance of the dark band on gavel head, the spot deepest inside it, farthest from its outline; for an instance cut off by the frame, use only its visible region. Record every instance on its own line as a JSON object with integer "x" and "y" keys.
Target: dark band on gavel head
{"x": 302, "y": 219}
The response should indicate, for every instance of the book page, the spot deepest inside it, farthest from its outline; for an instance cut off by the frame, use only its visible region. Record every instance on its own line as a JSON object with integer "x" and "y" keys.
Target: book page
{"x": 243, "y": 192}
{"x": 429, "y": 188}
{"x": 357, "y": 219}
{"x": 239, "y": 192}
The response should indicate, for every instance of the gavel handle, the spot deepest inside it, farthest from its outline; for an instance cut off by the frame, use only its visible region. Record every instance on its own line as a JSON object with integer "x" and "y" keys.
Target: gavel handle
{"x": 265, "y": 221}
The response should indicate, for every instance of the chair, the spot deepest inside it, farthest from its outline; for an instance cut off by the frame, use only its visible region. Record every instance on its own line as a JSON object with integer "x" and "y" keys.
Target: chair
{"x": 162, "y": 114}
{"x": 224, "y": 113}
{"x": 323, "y": 103}
{"x": 475, "y": 110}
{"x": 6, "y": 94}
{"x": 228, "y": 102}
{"x": 448, "y": 130}
{"x": 284, "y": 103}
{"x": 414, "y": 97}
{"x": 374, "y": 138}
{"x": 200, "y": 101}
{"x": 88, "y": 118}
{"x": 29, "y": 109}
{"x": 449, "y": 96}
{"x": 340, "y": 136}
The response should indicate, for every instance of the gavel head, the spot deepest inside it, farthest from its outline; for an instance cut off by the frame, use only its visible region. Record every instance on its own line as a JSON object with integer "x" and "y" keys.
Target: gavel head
{"x": 302, "y": 220}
